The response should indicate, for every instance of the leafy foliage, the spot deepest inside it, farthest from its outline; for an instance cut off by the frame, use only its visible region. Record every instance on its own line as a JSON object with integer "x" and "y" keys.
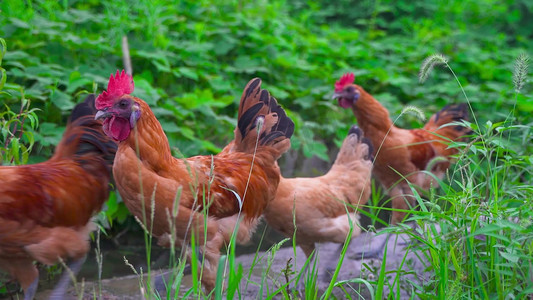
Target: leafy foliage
{"x": 191, "y": 60}
{"x": 16, "y": 135}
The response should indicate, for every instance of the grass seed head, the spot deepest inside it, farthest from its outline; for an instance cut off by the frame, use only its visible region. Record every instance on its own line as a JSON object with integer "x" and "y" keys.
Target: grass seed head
{"x": 429, "y": 63}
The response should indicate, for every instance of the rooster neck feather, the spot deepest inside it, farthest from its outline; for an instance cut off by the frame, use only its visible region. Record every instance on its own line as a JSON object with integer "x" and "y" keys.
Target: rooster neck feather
{"x": 371, "y": 115}
{"x": 153, "y": 145}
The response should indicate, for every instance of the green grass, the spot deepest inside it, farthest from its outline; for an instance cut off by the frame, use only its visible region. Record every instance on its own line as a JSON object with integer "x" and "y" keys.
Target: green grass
{"x": 192, "y": 58}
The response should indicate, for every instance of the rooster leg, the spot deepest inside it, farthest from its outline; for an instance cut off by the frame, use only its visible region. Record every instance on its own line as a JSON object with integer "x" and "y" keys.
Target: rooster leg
{"x": 399, "y": 241}
{"x": 61, "y": 288}
{"x": 402, "y": 199}
{"x": 199, "y": 256}
{"x": 162, "y": 281}
{"x": 311, "y": 254}
{"x": 212, "y": 255}
{"x": 29, "y": 292}
{"x": 25, "y": 272}
{"x": 332, "y": 264}
{"x": 376, "y": 253}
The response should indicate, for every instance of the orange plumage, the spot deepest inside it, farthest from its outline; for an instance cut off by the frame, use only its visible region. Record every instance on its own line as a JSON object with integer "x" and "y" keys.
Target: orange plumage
{"x": 400, "y": 152}
{"x": 212, "y": 188}
{"x": 45, "y": 208}
{"x": 321, "y": 209}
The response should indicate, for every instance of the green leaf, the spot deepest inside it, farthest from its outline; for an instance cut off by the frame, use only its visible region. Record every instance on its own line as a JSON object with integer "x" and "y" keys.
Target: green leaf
{"x": 25, "y": 154}
{"x": 210, "y": 146}
{"x": 187, "y": 72}
{"x": 112, "y": 207}
{"x": 169, "y": 126}
{"x": 61, "y": 100}
{"x": 145, "y": 91}
{"x": 3, "y": 50}
{"x": 76, "y": 81}
{"x": 305, "y": 102}
{"x": 510, "y": 256}
{"x": 15, "y": 150}
{"x": 187, "y": 132}
{"x": 220, "y": 84}
{"x": 19, "y": 23}
{"x": 49, "y": 134}
{"x": 278, "y": 93}
{"x": 3, "y": 79}
{"x": 316, "y": 148}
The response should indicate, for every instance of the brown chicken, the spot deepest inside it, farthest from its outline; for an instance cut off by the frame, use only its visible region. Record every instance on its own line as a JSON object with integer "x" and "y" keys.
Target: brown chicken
{"x": 320, "y": 209}
{"x": 46, "y": 208}
{"x": 214, "y": 189}
{"x": 400, "y": 153}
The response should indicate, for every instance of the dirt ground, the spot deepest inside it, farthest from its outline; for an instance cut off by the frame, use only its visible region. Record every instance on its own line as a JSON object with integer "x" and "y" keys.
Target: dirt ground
{"x": 400, "y": 256}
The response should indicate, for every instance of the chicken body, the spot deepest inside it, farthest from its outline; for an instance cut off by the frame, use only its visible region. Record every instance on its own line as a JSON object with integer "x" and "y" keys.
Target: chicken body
{"x": 322, "y": 209}
{"x": 45, "y": 208}
{"x": 401, "y": 154}
{"x": 213, "y": 189}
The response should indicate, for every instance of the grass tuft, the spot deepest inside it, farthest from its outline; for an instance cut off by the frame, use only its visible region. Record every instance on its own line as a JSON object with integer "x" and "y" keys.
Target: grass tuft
{"x": 429, "y": 63}
{"x": 416, "y": 111}
{"x": 520, "y": 72}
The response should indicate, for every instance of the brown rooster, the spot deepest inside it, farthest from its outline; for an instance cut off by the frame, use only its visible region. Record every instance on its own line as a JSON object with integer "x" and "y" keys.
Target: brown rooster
{"x": 400, "y": 153}
{"x": 46, "y": 208}
{"x": 214, "y": 189}
{"x": 321, "y": 209}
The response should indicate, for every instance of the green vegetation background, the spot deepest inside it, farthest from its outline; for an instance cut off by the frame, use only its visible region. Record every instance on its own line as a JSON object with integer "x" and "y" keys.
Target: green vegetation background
{"x": 191, "y": 60}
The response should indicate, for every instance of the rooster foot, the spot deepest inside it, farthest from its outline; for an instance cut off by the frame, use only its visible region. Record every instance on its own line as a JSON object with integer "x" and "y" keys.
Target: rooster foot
{"x": 72, "y": 270}
{"x": 162, "y": 280}
{"x": 376, "y": 253}
{"x": 29, "y": 293}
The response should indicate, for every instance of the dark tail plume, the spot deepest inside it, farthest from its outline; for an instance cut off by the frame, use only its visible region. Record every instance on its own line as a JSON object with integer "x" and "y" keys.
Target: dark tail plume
{"x": 450, "y": 113}
{"x": 259, "y": 108}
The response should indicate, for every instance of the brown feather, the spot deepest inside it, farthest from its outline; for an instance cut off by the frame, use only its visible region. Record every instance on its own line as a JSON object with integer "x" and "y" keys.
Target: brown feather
{"x": 211, "y": 188}
{"x": 404, "y": 153}
{"x": 45, "y": 208}
{"x": 316, "y": 209}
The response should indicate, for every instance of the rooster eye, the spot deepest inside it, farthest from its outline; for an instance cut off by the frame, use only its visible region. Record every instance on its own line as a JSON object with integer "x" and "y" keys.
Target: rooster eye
{"x": 350, "y": 89}
{"x": 123, "y": 104}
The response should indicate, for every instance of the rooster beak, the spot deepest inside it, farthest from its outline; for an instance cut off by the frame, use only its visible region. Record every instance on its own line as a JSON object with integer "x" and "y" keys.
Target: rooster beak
{"x": 101, "y": 115}
{"x": 336, "y": 95}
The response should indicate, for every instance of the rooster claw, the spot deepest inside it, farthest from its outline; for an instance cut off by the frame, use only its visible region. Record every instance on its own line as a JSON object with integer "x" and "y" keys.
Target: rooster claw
{"x": 370, "y": 148}
{"x": 162, "y": 281}
{"x": 356, "y": 130}
{"x": 377, "y": 252}
{"x": 359, "y": 132}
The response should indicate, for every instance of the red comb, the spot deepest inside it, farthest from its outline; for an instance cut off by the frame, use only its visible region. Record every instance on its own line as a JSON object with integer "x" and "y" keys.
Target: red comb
{"x": 117, "y": 86}
{"x": 343, "y": 81}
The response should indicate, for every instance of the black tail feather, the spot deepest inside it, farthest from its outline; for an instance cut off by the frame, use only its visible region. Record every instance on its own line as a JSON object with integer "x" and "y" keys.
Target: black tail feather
{"x": 258, "y": 105}
{"x": 85, "y": 108}
{"x": 284, "y": 126}
{"x": 370, "y": 148}
{"x": 453, "y": 112}
{"x": 355, "y": 129}
{"x": 360, "y": 137}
